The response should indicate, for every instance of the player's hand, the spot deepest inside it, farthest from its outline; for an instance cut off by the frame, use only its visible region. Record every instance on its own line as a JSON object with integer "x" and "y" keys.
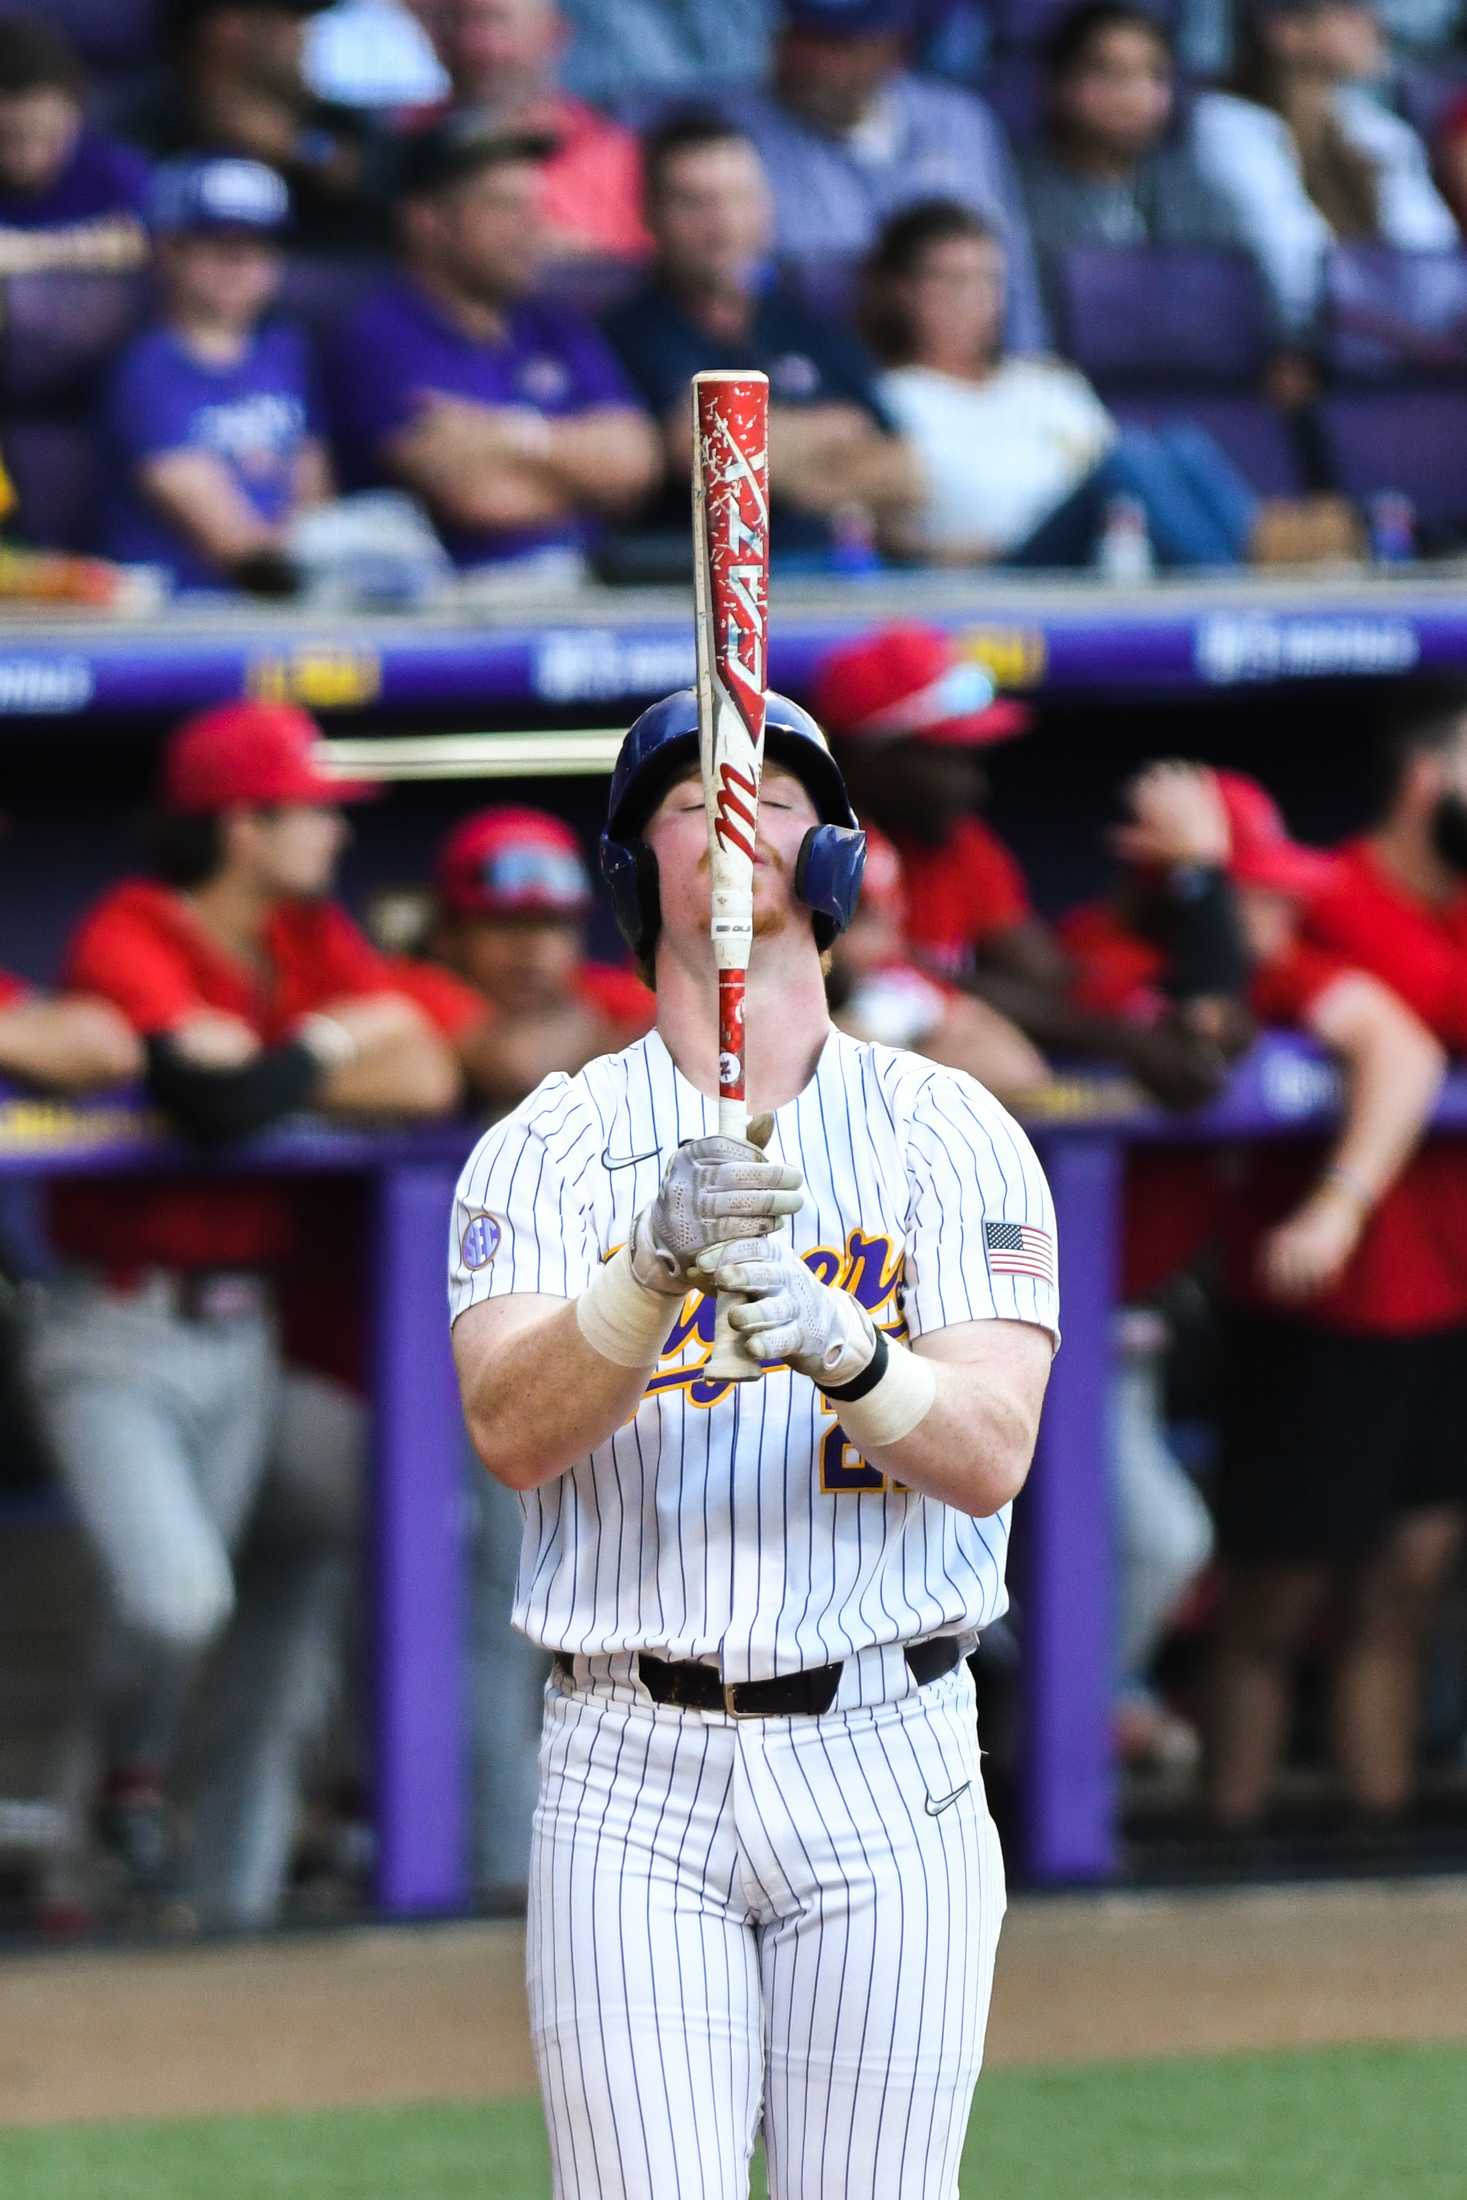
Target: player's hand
{"x": 1309, "y": 1252}
{"x": 1177, "y": 817}
{"x": 783, "y": 1313}
{"x": 715, "y": 1189}
{"x": 214, "y": 1039}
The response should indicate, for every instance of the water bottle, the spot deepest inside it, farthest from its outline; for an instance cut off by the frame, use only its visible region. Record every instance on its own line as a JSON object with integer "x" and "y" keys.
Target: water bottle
{"x": 1392, "y": 528}
{"x": 853, "y": 541}
{"x": 1123, "y": 555}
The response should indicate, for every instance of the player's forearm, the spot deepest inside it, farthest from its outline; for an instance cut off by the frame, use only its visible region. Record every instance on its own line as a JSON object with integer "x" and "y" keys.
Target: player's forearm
{"x": 1393, "y": 1072}
{"x": 412, "y": 1074}
{"x": 972, "y": 1449}
{"x": 543, "y": 1398}
{"x": 605, "y": 461}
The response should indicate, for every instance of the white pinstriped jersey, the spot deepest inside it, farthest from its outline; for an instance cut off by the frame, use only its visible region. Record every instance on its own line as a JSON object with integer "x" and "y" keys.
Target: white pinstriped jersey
{"x": 732, "y": 1522}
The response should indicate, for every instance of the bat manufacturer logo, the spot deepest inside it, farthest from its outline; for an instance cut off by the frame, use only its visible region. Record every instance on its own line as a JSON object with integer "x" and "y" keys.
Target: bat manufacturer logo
{"x": 737, "y": 519}
{"x": 729, "y": 1067}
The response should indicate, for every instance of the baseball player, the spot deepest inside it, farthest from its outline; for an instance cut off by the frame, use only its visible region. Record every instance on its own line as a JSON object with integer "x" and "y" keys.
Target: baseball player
{"x": 765, "y": 1882}
{"x": 155, "y": 1360}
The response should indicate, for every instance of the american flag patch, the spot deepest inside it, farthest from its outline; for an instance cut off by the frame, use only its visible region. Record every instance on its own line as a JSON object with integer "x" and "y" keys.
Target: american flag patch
{"x": 1017, "y": 1249}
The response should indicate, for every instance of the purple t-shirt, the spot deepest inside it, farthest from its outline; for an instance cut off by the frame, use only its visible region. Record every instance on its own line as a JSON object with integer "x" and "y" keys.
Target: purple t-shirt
{"x": 101, "y": 178}
{"x": 399, "y": 348}
{"x": 253, "y": 416}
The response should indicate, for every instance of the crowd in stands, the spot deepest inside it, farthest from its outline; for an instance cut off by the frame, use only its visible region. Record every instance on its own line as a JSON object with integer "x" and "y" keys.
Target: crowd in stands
{"x": 194, "y": 1363}
{"x": 1113, "y": 282}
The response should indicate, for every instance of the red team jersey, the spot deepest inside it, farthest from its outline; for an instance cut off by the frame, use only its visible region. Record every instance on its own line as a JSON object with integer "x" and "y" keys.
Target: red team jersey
{"x": 142, "y": 949}
{"x": 959, "y": 895}
{"x": 455, "y": 1007}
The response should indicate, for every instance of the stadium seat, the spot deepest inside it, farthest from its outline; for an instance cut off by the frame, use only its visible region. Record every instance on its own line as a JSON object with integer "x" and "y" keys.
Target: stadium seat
{"x": 60, "y": 332}
{"x": 1410, "y": 441}
{"x": 1030, "y": 22}
{"x": 1394, "y": 314}
{"x": 1162, "y": 315}
{"x": 54, "y": 468}
{"x": 110, "y": 34}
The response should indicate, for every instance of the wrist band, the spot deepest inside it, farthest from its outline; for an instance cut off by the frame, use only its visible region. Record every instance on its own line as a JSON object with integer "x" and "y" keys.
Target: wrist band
{"x": 889, "y": 1409}
{"x": 620, "y": 1318}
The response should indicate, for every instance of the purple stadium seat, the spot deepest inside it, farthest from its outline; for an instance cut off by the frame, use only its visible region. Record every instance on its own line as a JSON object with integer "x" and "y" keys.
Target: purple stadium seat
{"x": 61, "y": 330}
{"x": 1393, "y": 314}
{"x": 1425, "y": 92}
{"x": 53, "y": 465}
{"x": 1030, "y": 22}
{"x": 1162, "y": 315}
{"x": 109, "y": 34}
{"x": 1411, "y": 441}
{"x": 1254, "y": 434}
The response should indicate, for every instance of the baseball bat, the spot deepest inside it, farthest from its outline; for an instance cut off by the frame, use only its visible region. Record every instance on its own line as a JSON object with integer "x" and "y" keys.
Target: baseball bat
{"x": 731, "y": 617}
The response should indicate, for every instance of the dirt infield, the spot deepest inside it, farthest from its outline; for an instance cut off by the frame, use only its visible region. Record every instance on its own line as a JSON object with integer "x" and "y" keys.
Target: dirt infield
{"x": 438, "y": 2014}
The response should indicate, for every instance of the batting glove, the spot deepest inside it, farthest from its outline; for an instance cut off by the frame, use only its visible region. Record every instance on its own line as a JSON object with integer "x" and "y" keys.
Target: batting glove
{"x": 715, "y": 1189}
{"x": 785, "y": 1314}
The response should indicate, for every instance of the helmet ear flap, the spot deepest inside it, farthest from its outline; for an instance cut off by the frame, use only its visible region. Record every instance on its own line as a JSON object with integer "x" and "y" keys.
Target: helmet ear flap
{"x": 828, "y": 877}
{"x": 630, "y": 870}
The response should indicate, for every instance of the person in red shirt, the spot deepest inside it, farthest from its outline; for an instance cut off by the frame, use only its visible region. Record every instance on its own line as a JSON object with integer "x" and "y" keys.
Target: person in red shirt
{"x": 907, "y": 718}
{"x": 504, "y": 974}
{"x": 1311, "y": 1477}
{"x": 879, "y": 993}
{"x": 155, "y": 1362}
{"x": 502, "y": 57}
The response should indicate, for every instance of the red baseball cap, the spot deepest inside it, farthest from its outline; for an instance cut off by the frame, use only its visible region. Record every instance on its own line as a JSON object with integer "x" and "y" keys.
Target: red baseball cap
{"x": 240, "y": 754}
{"x": 511, "y": 863}
{"x": 1262, "y": 851}
{"x": 908, "y": 683}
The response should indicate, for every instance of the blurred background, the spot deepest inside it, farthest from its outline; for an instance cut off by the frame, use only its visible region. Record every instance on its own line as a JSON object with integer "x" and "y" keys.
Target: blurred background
{"x": 1118, "y": 365}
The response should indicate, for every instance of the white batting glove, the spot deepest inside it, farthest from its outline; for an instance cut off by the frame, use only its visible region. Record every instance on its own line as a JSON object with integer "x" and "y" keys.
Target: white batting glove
{"x": 715, "y": 1189}
{"x": 785, "y": 1314}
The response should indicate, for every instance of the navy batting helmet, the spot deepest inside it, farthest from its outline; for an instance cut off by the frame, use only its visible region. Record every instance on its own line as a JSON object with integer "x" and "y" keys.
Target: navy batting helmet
{"x": 660, "y": 745}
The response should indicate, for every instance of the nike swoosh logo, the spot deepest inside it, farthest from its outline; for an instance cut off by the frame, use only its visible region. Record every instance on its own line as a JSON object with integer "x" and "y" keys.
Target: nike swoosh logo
{"x": 610, "y": 1160}
{"x": 937, "y": 1804}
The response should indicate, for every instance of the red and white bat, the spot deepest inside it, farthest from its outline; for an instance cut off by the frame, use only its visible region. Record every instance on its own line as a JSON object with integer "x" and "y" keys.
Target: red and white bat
{"x": 731, "y": 611}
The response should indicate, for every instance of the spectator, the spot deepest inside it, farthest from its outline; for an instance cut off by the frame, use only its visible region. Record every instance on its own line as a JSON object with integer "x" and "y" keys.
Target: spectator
{"x": 69, "y": 197}
{"x": 174, "y": 1424}
{"x": 1022, "y": 464}
{"x": 502, "y": 57}
{"x": 210, "y": 420}
{"x": 908, "y": 718}
{"x": 1306, "y": 156}
{"x": 666, "y": 50}
{"x": 507, "y": 973}
{"x": 879, "y": 994}
{"x": 235, "y": 83}
{"x": 1112, "y": 166}
{"x": 1183, "y": 936}
{"x": 508, "y": 417}
{"x": 709, "y": 303}
{"x": 850, "y": 137}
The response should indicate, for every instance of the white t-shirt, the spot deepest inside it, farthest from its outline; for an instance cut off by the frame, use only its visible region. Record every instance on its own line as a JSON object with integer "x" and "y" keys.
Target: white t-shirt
{"x": 732, "y": 1522}
{"x": 1000, "y": 455}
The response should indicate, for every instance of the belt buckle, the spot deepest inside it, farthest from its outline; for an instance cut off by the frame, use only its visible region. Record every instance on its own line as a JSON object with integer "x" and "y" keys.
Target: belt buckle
{"x": 731, "y": 1692}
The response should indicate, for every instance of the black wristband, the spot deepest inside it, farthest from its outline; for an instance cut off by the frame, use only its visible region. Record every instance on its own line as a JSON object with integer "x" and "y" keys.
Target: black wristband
{"x": 868, "y": 1378}
{"x": 1207, "y": 951}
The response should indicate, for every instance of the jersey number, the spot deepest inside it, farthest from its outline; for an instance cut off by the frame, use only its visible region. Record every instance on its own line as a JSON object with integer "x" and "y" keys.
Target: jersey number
{"x": 842, "y": 1468}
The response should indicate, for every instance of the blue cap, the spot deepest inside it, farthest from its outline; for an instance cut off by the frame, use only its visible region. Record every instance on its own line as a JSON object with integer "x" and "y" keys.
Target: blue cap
{"x": 853, "y": 18}
{"x": 218, "y": 194}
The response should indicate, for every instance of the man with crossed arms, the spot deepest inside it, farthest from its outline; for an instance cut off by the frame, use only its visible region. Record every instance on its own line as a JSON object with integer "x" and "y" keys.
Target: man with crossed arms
{"x": 765, "y": 1882}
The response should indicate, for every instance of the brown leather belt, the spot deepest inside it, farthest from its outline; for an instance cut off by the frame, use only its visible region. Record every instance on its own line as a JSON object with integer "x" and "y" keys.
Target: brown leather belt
{"x": 692, "y": 1687}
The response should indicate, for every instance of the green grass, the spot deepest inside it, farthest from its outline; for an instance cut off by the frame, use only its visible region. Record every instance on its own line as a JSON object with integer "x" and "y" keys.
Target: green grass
{"x": 1345, "y": 2124}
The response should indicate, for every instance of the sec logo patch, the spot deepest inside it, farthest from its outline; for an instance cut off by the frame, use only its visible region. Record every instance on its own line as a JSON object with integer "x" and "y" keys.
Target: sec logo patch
{"x": 480, "y": 1241}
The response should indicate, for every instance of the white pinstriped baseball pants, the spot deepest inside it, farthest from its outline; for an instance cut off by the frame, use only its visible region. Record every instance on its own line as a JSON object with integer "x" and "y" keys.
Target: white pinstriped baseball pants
{"x": 728, "y": 1914}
